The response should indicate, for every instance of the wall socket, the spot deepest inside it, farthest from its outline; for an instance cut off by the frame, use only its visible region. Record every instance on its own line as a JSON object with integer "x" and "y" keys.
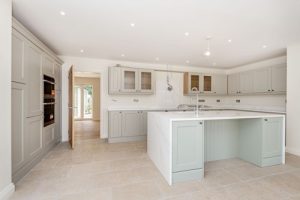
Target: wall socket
{"x": 238, "y": 101}
{"x": 218, "y": 100}
{"x": 136, "y": 100}
{"x": 201, "y": 100}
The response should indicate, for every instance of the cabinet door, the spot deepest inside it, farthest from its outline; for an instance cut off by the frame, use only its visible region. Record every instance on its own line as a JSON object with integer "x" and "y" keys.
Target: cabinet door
{"x": 57, "y": 117}
{"x": 279, "y": 78}
{"x": 18, "y": 125}
{"x": 129, "y": 80}
{"x": 272, "y": 137}
{"x": 143, "y": 122}
{"x": 115, "y": 124}
{"x": 146, "y": 81}
{"x": 233, "y": 83}
{"x": 57, "y": 76}
{"x": 219, "y": 84}
{"x": 33, "y": 138}
{"x": 48, "y": 66}
{"x": 187, "y": 145}
{"x": 246, "y": 82}
{"x": 131, "y": 123}
{"x": 206, "y": 84}
{"x": 18, "y": 70}
{"x": 114, "y": 82}
{"x": 33, "y": 59}
{"x": 262, "y": 80}
{"x": 195, "y": 83}
{"x": 48, "y": 135}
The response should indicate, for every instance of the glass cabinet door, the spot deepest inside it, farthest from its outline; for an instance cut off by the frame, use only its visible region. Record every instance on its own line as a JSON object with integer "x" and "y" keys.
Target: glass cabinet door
{"x": 207, "y": 82}
{"x": 146, "y": 81}
{"x": 194, "y": 83}
{"x": 129, "y": 80}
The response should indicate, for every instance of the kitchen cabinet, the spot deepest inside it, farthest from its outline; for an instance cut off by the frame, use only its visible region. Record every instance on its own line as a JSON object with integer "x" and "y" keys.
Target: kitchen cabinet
{"x": 48, "y": 66}
{"x": 18, "y": 68}
{"x": 125, "y": 80}
{"x": 262, "y": 80}
{"x": 18, "y": 125}
{"x": 234, "y": 83}
{"x": 57, "y": 117}
{"x": 246, "y": 82}
{"x": 279, "y": 74}
{"x": 127, "y": 126}
{"x": 57, "y": 76}
{"x": 48, "y": 135}
{"x": 32, "y": 62}
{"x": 34, "y": 136}
{"x": 187, "y": 146}
{"x": 191, "y": 83}
{"x": 219, "y": 84}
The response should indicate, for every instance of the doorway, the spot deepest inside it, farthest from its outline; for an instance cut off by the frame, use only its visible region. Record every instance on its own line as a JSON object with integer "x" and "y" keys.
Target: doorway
{"x": 86, "y": 106}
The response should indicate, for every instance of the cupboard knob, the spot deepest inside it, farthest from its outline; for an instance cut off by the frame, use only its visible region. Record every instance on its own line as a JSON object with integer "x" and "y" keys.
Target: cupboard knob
{"x": 266, "y": 120}
{"x": 273, "y": 90}
{"x": 269, "y": 90}
{"x": 200, "y": 123}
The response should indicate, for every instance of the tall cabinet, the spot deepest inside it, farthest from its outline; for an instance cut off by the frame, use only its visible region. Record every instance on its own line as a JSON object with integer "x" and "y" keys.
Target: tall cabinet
{"x": 28, "y": 135}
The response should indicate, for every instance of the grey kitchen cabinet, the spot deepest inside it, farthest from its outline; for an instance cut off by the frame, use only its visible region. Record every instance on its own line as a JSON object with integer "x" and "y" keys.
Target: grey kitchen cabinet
{"x": 115, "y": 124}
{"x": 18, "y": 125}
{"x": 18, "y": 67}
{"x": 127, "y": 126}
{"x": 48, "y": 136}
{"x": 279, "y": 73}
{"x": 234, "y": 83}
{"x": 48, "y": 66}
{"x": 57, "y": 76}
{"x": 32, "y": 62}
{"x": 126, "y": 80}
{"x": 246, "y": 82}
{"x": 219, "y": 84}
{"x": 262, "y": 80}
{"x": 57, "y": 117}
{"x": 34, "y": 136}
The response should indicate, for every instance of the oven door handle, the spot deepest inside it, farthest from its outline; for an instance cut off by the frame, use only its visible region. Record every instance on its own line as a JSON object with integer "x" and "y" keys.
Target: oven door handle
{"x": 52, "y": 103}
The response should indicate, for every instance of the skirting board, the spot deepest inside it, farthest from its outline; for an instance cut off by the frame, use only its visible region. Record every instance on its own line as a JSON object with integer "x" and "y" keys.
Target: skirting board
{"x": 7, "y": 192}
{"x": 292, "y": 151}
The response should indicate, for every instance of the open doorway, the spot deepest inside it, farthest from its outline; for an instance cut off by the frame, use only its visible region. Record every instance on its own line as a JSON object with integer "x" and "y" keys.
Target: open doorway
{"x": 86, "y": 106}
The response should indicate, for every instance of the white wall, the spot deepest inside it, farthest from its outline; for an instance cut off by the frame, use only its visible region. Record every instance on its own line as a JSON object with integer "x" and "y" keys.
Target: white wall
{"x": 6, "y": 187}
{"x": 162, "y": 98}
{"x": 293, "y": 99}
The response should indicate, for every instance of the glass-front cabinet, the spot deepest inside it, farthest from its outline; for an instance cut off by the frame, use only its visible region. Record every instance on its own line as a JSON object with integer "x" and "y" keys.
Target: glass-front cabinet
{"x": 146, "y": 81}
{"x": 207, "y": 84}
{"x": 129, "y": 80}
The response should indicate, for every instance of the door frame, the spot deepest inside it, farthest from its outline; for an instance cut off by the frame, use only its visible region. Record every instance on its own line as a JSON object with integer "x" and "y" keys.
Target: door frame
{"x": 81, "y": 86}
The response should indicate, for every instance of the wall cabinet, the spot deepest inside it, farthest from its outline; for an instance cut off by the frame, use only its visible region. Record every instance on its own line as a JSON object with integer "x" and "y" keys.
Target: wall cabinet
{"x": 123, "y": 80}
{"x": 127, "y": 125}
{"x": 18, "y": 68}
{"x": 57, "y": 76}
{"x": 57, "y": 117}
{"x": 268, "y": 80}
{"x": 48, "y": 66}
{"x": 195, "y": 83}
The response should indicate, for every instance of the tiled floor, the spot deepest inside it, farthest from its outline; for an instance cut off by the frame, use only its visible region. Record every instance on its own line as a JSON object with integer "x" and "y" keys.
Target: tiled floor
{"x": 96, "y": 170}
{"x": 86, "y": 130}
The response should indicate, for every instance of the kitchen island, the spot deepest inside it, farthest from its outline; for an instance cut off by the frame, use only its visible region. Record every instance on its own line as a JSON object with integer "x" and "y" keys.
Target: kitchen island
{"x": 180, "y": 142}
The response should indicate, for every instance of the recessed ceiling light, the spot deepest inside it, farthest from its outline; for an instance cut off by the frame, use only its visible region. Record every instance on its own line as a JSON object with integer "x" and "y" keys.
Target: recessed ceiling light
{"x": 123, "y": 55}
{"x": 157, "y": 58}
{"x": 229, "y": 41}
{"x": 81, "y": 51}
{"x": 62, "y": 13}
{"x": 214, "y": 64}
{"x": 132, "y": 24}
{"x": 264, "y": 46}
{"x": 186, "y": 33}
{"x": 187, "y": 61}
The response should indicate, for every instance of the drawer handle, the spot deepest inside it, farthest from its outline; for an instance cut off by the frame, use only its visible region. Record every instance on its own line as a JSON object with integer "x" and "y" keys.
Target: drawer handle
{"x": 266, "y": 120}
{"x": 200, "y": 123}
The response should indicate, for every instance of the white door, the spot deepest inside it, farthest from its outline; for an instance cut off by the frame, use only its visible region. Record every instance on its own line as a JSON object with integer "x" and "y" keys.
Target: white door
{"x": 219, "y": 84}
{"x": 246, "y": 82}
{"x": 233, "y": 83}
{"x": 262, "y": 80}
{"x": 279, "y": 78}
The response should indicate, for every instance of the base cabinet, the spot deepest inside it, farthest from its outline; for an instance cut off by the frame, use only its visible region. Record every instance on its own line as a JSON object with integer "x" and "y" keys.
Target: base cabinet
{"x": 34, "y": 143}
{"x": 127, "y": 126}
{"x": 187, "y": 150}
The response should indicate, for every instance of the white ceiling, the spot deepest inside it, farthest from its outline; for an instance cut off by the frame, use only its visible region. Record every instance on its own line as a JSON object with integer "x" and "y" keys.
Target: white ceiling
{"x": 102, "y": 28}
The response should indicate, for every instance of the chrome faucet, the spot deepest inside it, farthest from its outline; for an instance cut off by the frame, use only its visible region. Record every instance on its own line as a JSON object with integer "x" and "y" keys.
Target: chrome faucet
{"x": 197, "y": 99}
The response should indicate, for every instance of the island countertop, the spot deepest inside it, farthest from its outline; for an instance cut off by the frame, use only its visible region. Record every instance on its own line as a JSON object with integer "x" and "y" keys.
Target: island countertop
{"x": 213, "y": 115}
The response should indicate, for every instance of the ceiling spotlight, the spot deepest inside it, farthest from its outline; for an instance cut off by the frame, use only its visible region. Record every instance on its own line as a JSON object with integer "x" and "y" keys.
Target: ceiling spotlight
{"x": 132, "y": 24}
{"x": 122, "y": 55}
{"x": 186, "y": 33}
{"x": 264, "y": 46}
{"x": 207, "y": 52}
{"x": 62, "y": 13}
{"x": 157, "y": 58}
{"x": 230, "y": 40}
{"x": 81, "y": 51}
{"x": 187, "y": 61}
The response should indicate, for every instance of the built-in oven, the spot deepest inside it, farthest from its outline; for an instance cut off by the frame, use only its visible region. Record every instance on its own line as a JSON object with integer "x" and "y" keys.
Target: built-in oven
{"x": 49, "y": 100}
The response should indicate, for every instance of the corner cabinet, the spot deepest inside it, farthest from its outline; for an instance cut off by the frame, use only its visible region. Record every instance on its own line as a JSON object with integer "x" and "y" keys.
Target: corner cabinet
{"x": 187, "y": 150}
{"x": 127, "y": 126}
{"x": 124, "y": 80}
{"x": 195, "y": 83}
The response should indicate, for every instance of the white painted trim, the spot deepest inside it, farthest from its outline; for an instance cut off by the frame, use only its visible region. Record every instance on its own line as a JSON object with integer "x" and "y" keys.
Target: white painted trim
{"x": 293, "y": 151}
{"x": 7, "y": 192}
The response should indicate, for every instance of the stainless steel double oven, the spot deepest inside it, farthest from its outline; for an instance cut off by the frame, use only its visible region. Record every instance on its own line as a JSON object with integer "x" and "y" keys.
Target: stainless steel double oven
{"x": 49, "y": 100}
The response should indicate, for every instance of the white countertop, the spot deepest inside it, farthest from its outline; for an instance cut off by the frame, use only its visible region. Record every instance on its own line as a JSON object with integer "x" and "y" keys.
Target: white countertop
{"x": 213, "y": 115}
